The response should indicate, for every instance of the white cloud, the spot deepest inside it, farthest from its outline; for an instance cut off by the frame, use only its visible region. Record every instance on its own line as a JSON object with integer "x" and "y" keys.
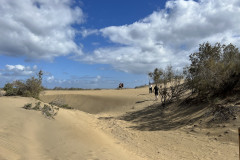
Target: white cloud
{"x": 50, "y": 79}
{"x": 35, "y": 67}
{"x": 13, "y": 72}
{"x": 38, "y": 28}
{"x": 97, "y": 78}
{"x": 19, "y": 70}
{"x": 80, "y": 82}
{"x": 88, "y": 32}
{"x": 15, "y": 67}
{"x": 168, "y": 36}
{"x": 42, "y": 29}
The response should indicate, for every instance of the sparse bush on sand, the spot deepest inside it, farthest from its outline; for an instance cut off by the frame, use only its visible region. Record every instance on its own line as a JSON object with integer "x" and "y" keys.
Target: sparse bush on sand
{"x": 60, "y": 104}
{"x": 37, "y": 106}
{"x": 170, "y": 84}
{"x": 28, "y": 106}
{"x": 49, "y": 111}
{"x": 31, "y": 88}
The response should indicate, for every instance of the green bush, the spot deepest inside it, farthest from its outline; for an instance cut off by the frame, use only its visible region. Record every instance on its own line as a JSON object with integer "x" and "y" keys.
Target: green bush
{"x": 28, "y": 106}
{"x": 10, "y": 90}
{"x": 37, "y": 106}
{"x": 31, "y": 88}
{"x": 47, "y": 110}
{"x": 60, "y": 104}
{"x": 214, "y": 70}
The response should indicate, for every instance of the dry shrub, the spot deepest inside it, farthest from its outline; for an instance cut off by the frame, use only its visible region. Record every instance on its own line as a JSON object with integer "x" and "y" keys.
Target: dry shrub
{"x": 60, "y": 104}
{"x": 28, "y": 106}
{"x": 49, "y": 111}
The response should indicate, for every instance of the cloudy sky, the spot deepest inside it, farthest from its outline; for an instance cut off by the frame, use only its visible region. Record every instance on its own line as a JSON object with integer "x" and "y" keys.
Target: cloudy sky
{"x": 98, "y": 44}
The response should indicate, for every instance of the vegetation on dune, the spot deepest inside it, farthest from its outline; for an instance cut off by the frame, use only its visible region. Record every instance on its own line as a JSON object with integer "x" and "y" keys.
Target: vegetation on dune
{"x": 28, "y": 106}
{"x": 214, "y": 70}
{"x": 31, "y": 88}
{"x": 49, "y": 111}
{"x": 214, "y": 73}
{"x": 213, "y": 77}
{"x": 60, "y": 104}
{"x": 171, "y": 87}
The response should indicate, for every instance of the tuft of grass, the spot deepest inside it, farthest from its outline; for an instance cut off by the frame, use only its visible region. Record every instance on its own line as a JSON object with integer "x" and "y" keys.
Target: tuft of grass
{"x": 37, "y": 106}
{"x": 65, "y": 106}
{"x": 61, "y": 105}
{"x": 28, "y": 106}
{"x": 48, "y": 111}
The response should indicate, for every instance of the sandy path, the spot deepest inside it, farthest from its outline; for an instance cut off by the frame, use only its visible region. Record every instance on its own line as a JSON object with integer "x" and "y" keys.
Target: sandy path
{"x": 27, "y": 134}
{"x": 172, "y": 144}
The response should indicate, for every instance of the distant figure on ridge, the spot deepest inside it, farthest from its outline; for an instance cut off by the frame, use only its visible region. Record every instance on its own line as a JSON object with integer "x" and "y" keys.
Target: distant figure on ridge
{"x": 120, "y": 86}
{"x": 156, "y": 90}
{"x": 150, "y": 89}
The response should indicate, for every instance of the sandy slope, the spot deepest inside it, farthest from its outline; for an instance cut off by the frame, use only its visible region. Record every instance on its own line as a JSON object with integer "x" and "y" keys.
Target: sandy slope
{"x": 26, "y": 134}
{"x": 120, "y": 126}
{"x": 98, "y": 101}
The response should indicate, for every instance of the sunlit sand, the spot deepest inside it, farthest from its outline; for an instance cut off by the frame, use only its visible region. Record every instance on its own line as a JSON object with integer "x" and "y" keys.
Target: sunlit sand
{"x": 107, "y": 124}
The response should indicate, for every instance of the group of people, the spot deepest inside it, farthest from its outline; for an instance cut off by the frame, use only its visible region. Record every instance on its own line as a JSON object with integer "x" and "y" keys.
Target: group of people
{"x": 155, "y": 89}
{"x": 120, "y": 86}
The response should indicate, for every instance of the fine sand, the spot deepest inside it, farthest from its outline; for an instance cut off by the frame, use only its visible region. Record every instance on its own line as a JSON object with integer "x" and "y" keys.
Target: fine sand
{"x": 109, "y": 124}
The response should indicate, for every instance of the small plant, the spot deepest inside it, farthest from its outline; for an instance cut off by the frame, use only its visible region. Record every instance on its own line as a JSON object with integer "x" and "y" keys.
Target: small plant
{"x": 28, "y": 106}
{"x": 37, "y": 106}
{"x": 60, "y": 104}
{"x": 65, "y": 106}
{"x": 46, "y": 110}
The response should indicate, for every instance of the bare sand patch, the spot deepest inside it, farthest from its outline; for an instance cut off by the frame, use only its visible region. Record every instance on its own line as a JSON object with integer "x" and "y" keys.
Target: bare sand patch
{"x": 99, "y": 101}
{"x": 26, "y": 134}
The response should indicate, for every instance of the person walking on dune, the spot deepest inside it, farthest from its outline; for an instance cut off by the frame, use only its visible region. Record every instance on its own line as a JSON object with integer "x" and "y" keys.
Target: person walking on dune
{"x": 156, "y": 90}
{"x": 150, "y": 89}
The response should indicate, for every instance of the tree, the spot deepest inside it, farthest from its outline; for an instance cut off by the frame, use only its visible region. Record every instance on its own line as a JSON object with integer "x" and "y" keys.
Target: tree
{"x": 10, "y": 91}
{"x": 213, "y": 69}
{"x": 170, "y": 83}
{"x": 31, "y": 88}
{"x": 156, "y": 75}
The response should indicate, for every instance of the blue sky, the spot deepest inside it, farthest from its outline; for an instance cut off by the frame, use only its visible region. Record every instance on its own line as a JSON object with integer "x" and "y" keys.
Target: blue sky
{"x": 98, "y": 44}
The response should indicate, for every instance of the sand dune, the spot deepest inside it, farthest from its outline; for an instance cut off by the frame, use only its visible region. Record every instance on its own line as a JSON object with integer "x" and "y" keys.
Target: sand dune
{"x": 26, "y": 134}
{"x": 111, "y": 131}
{"x": 97, "y": 101}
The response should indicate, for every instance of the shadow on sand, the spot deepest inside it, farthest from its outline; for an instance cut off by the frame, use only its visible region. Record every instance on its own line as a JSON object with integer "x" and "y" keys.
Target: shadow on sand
{"x": 172, "y": 116}
{"x": 143, "y": 101}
